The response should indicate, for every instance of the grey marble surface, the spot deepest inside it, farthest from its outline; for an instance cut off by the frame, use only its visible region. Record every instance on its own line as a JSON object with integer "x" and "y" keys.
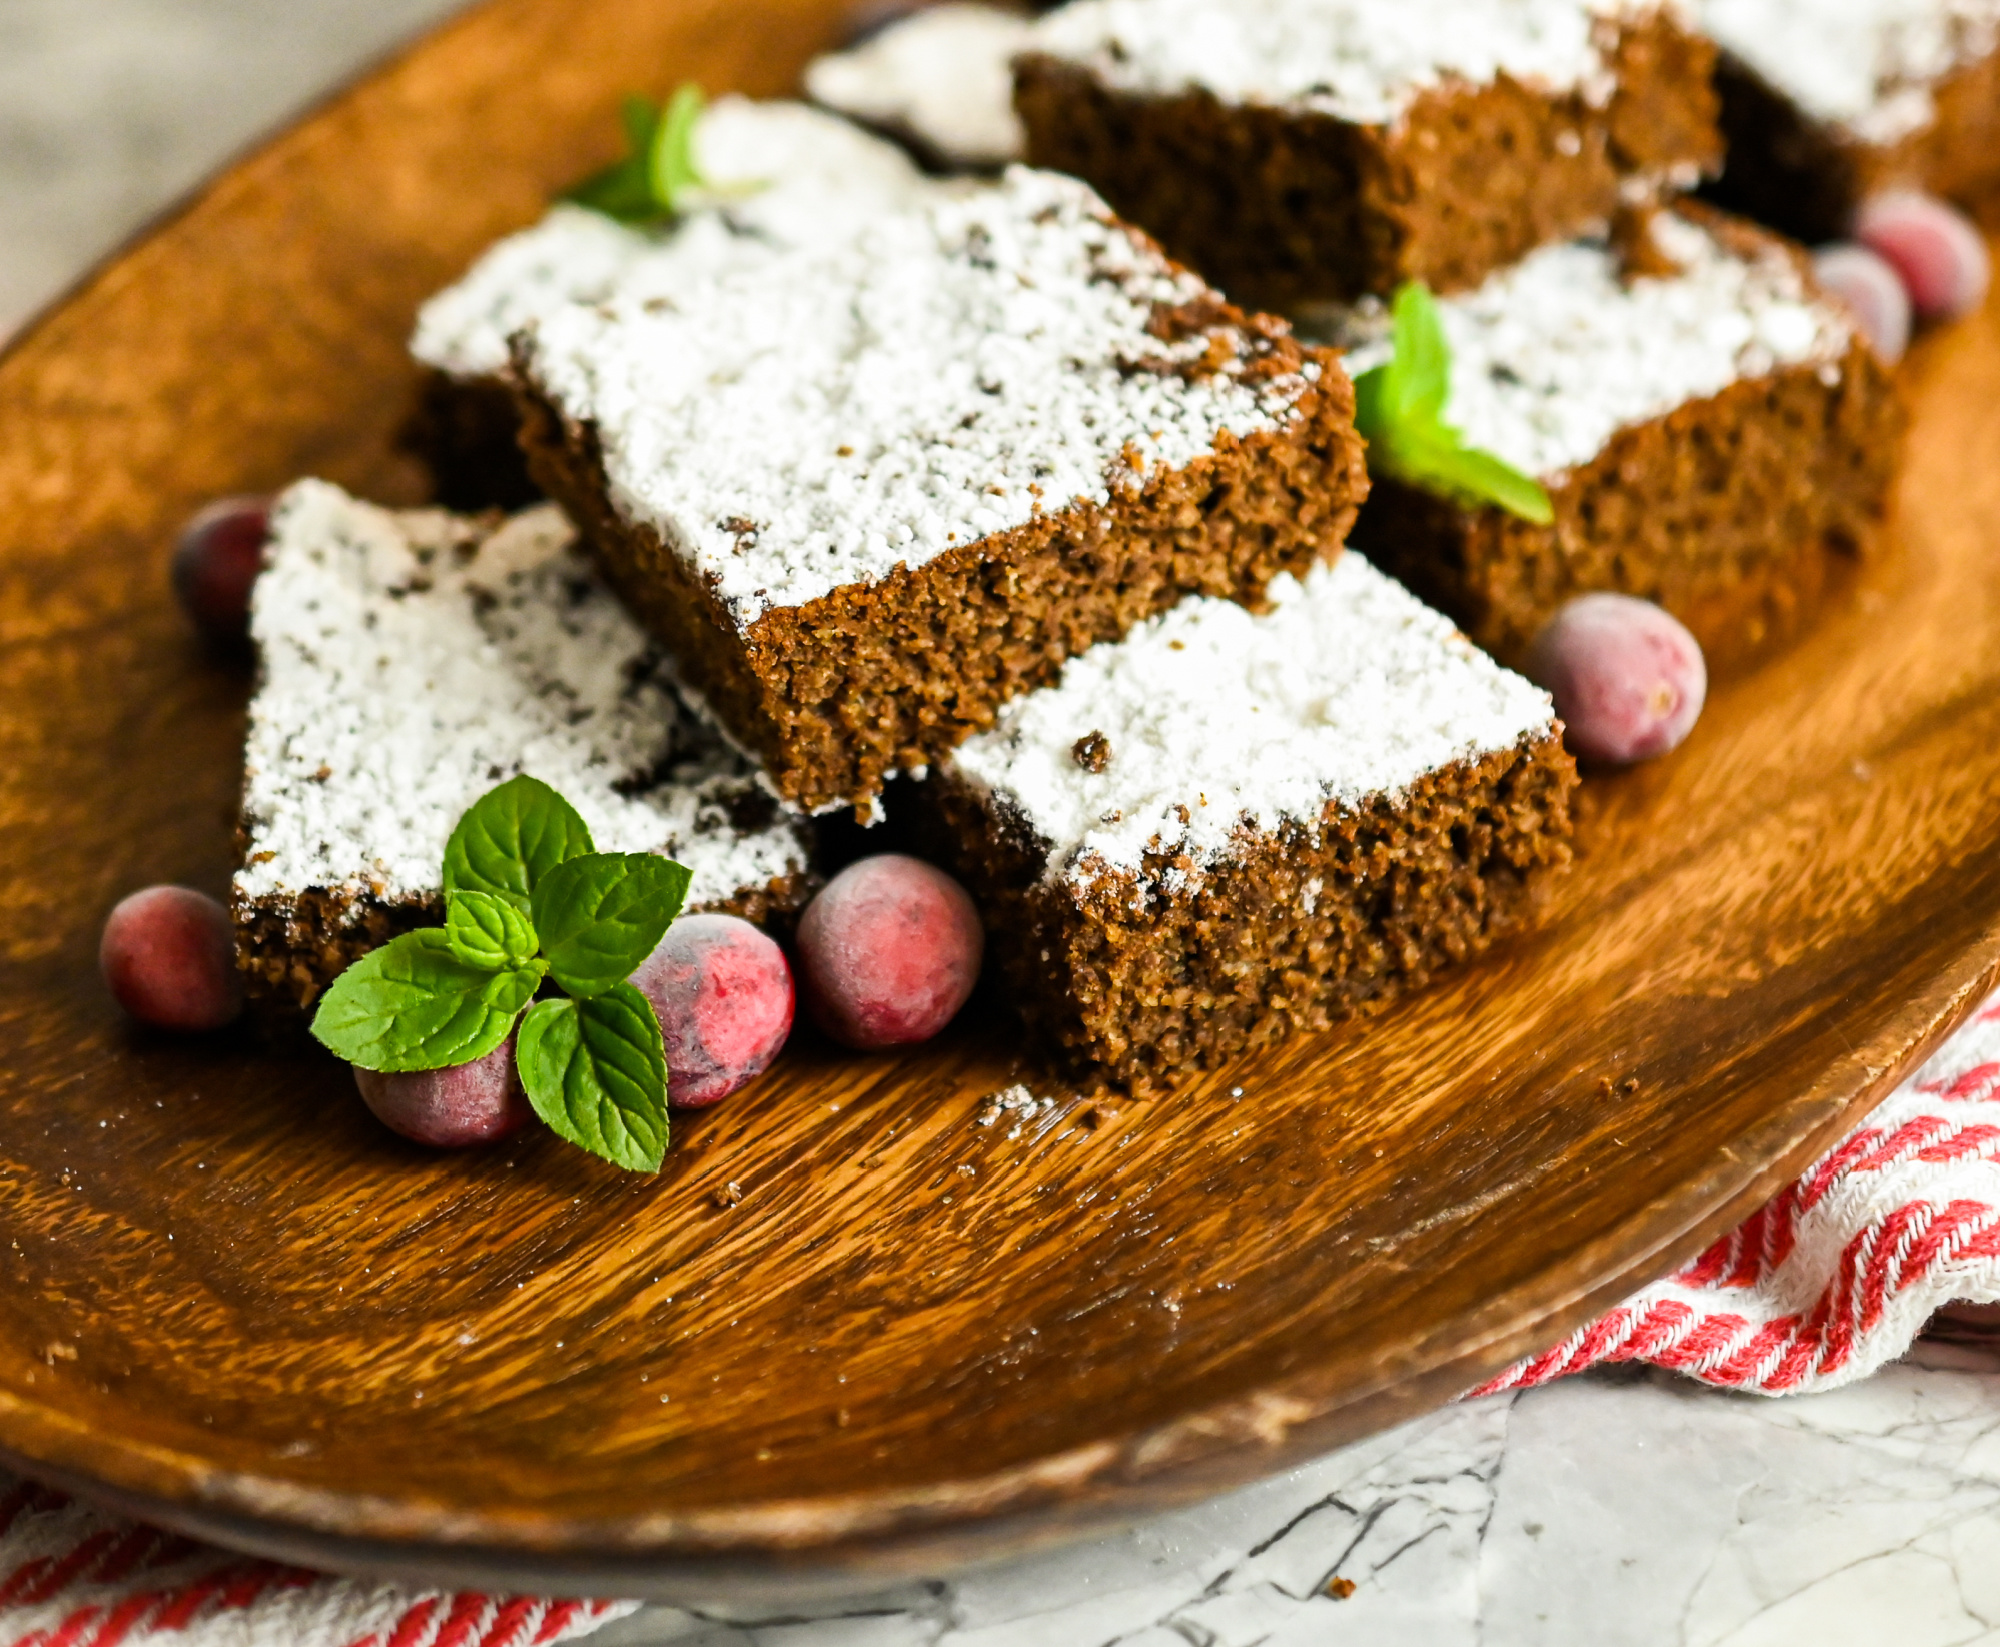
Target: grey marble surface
{"x": 1622, "y": 1508}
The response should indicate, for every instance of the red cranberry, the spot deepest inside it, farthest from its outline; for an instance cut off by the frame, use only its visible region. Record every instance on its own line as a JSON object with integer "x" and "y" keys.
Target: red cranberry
{"x": 1934, "y": 247}
{"x": 723, "y": 993}
{"x": 1628, "y": 679}
{"x": 169, "y": 955}
{"x": 888, "y": 952}
{"x": 217, "y": 561}
{"x": 1872, "y": 290}
{"x": 476, "y": 1103}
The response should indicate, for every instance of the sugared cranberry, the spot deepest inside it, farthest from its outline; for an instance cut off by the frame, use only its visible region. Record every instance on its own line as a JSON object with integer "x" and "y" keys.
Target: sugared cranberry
{"x": 169, "y": 955}
{"x": 1934, "y": 247}
{"x": 888, "y": 952}
{"x": 216, "y": 562}
{"x": 723, "y": 993}
{"x": 476, "y": 1103}
{"x": 1873, "y": 292}
{"x": 1627, "y": 677}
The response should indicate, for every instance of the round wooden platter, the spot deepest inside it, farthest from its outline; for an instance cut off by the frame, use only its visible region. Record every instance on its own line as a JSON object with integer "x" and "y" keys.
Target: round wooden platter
{"x": 866, "y": 1323}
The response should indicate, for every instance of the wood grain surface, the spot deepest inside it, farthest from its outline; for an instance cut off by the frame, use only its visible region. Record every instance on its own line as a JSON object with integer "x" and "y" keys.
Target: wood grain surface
{"x": 863, "y": 1324}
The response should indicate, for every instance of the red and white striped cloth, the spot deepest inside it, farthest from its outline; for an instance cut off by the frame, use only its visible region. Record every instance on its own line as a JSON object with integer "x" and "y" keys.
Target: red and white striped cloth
{"x": 1831, "y": 1280}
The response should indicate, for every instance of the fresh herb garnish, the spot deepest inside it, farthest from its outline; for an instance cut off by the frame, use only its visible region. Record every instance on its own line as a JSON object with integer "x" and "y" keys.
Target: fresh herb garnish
{"x": 1399, "y": 407}
{"x": 659, "y": 180}
{"x": 529, "y": 901}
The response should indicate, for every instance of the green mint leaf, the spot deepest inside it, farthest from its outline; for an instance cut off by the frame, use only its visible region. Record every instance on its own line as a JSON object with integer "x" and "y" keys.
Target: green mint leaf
{"x": 670, "y": 161}
{"x": 596, "y": 1072}
{"x": 600, "y": 916}
{"x": 1475, "y": 477}
{"x": 488, "y": 932}
{"x": 1421, "y": 370}
{"x": 412, "y": 1005}
{"x": 642, "y": 122}
{"x": 510, "y": 839}
{"x": 623, "y": 192}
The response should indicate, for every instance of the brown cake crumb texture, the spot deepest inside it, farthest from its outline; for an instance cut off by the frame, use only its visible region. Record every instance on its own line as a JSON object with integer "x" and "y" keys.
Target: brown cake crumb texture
{"x": 1807, "y": 179}
{"x": 1301, "y": 929}
{"x": 1282, "y": 207}
{"x": 874, "y": 678}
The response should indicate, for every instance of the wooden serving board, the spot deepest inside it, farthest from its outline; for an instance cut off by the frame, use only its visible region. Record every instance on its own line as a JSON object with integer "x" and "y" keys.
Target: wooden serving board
{"x": 913, "y": 1333}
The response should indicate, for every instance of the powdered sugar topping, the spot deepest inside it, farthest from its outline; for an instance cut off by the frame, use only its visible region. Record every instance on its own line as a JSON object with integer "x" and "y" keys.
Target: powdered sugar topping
{"x": 1359, "y": 60}
{"x": 413, "y": 661}
{"x": 1214, "y": 719}
{"x": 820, "y": 419}
{"x": 819, "y": 177}
{"x": 943, "y": 75}
{"x": 1866, "y": 65}
{"x": 1554, "y": 356}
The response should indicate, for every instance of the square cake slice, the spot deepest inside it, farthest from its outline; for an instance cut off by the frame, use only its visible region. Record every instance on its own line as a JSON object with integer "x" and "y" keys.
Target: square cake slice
{"x": 411, "y": 662}
{"x": 1825, "y": 104}
{"x": 870, "y": 492}
{"x": 1232, "y": 825}
{"x": 1320, "y": 150}
{"x": 808, "y": 176}
{"x": 1714, "y": 435}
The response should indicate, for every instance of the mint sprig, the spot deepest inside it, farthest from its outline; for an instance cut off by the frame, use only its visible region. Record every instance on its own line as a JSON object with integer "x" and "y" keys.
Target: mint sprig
{"x": 1399, "y": 408}
{"x": 660, "y": 179}
{"x": 529, "y": 902}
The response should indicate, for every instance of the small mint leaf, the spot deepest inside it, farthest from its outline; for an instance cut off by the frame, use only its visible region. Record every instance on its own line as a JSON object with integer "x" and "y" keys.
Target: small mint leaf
{"x": 600, "y": 916}
{"x": 1437, "y": 461}
{"x": 1421, "y": 370}
{"x": 596, "y": 1072}
{"x": 414, "y": 1005}
{"x": 510, "y": 839}
{"x": 642, "y": 123}
{"x": 671, "y": 168}
{"x": 488, "y": 932}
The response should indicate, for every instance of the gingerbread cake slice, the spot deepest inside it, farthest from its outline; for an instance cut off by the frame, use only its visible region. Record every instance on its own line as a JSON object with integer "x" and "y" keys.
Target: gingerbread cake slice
{"x": 409, "y": 663}
{"x": 1233, "y": 825}
{"x": 1714, "y": 435}
{"x": 1311, "y": 150}
{"x": 1824, "y": 105}
{"x": 814, "y": 176}
{"x": 868, "y": 493}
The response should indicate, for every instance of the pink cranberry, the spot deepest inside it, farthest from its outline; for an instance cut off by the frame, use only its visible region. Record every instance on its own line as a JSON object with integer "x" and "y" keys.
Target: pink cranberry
{"x": 1628, "y": 679}
{"x": 889, "y": 952}
{"x": 723, "y": 992}
{"x": 1934, "y": 247}
{"x": 169, "y": 955}
{"x": 1873, "y": 292}
{"x": 476, "y": 1103}
{"x": 217, "y": 561}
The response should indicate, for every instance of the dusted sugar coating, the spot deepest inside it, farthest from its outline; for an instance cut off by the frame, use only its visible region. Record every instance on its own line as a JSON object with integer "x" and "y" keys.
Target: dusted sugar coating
{"x": 411, "y": 662}
{"x": 806, "y": 423}
{"x": 1551, "y": 359}
{"x": 869, "y": 493}
{"x": 818, "y": 177}
{"x": 1869, "y": 67}
{"x": 723, "y": 993}
{"x": 1211, "y": 720}
{"x": 943, "y": 78}
{"x": 1715, "y": 436}
{"x": 1312, "y": 150}
{"x": 1362, "y": 61}
{"x": 1231, "y": 826}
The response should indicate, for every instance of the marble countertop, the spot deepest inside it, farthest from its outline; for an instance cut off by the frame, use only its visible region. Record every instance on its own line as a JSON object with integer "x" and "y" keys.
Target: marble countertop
{"x": 1619, "y": 1508}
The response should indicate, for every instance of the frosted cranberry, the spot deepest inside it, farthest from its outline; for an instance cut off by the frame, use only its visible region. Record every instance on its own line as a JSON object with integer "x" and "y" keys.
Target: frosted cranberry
{"x": 1934, "y": 247}
{"x": 1627, "y": 677}
{"x": 476, "y": 1103}
{"x": 888, "y": 952}
{"x": 723, "y": 993}
{"x": 1873, "y": 292}
{"x": 217, "y": 561}
{"x": 169, "y": 955}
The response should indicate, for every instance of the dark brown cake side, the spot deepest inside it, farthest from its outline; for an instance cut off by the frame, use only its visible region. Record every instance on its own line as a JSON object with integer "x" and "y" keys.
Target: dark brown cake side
{"x": 467, "y": 433}
{"x": 1807, "y": 178}
{"x": 1281, "y": 207}
{"x": 1290, "y": 934}
{"x": 1729, "y": 512}
{"x": 833, "y": 695}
